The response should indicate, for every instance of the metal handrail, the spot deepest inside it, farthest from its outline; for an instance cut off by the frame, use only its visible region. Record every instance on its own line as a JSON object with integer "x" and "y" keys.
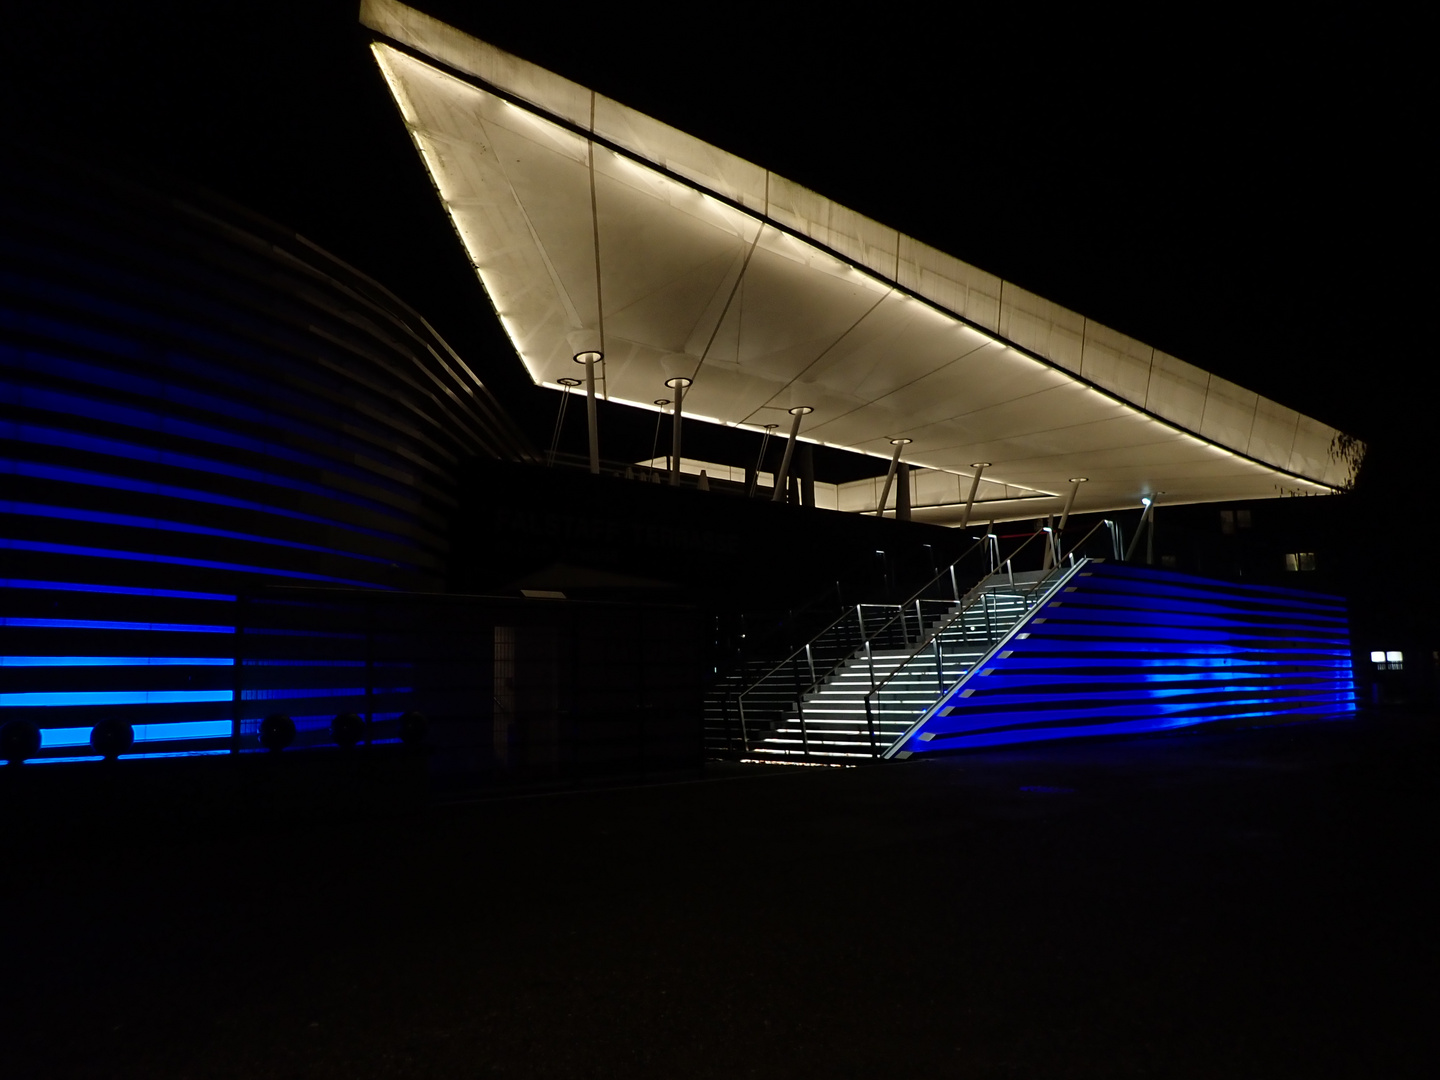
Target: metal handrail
{"x": 950, "y": 569}
{"x": 1006, "y": 562}
{"x": 817, "y": 676}
{"x": 1053, "y": 581}
{"x": 852, "y": 609}
{"x": 786, "y": 620}
{"x": 1065, "y": 572}
{"x": 884, "y": 628}
{"x": 982, "y": 590}
{"x": 1104, "y": 522}
{"x": 866, "y": 639}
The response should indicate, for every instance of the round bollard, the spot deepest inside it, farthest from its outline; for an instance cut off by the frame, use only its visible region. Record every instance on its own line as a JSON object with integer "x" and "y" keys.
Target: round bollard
{"x": 277, "y": 731}
{"x": 347, "y": 729}
{"x": 19, "y": 739}
{"x": 110, "y": 738}
{"x": 413, "y": 728}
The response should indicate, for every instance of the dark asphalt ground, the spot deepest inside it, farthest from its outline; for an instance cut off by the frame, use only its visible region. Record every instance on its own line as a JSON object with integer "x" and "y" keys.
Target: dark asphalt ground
{"x": 1218, "y": 905}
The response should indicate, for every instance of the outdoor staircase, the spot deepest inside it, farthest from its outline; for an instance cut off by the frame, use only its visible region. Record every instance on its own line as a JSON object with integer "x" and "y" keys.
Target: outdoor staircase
{"x": 857, "y": 687}
{"x": 906, "y": 683}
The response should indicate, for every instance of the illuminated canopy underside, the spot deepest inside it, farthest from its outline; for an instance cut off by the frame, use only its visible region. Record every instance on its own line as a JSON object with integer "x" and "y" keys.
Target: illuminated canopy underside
{"x": 770, "y": 296}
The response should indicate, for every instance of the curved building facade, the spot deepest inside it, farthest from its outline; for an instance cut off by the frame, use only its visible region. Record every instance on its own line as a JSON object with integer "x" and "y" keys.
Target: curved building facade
{"x": 196, "y": 404}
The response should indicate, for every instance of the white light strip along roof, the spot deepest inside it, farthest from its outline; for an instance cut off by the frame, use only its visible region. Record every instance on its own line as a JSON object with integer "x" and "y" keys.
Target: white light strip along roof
{"x": 770, "y": 296}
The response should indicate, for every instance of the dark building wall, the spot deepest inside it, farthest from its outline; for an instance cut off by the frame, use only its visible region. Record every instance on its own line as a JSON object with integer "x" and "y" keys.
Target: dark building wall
{"x": 714, "y": 547}
{"x": 194, "y": 404}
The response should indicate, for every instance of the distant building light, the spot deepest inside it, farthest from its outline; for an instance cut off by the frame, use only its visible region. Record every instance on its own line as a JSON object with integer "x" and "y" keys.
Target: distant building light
{"x": 1300, "y": 560}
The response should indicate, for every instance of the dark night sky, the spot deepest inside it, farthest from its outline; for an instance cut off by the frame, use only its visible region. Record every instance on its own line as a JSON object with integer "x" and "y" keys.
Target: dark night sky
{"x": 1245, "y": 196}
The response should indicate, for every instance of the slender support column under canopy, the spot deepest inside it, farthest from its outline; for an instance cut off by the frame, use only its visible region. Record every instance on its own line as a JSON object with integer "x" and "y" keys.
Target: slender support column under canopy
{"x": 783, "y": 475}
{"x": 590, "y": 359}
{"x": 1144, "y": 521}
{"x": 899, "y": 445}
{"x": 586, "y": 348}
{"x": 805, "y": 463}
{"x": 760, "y": 460}
{"x": 655, "y": 442}
{"x": 979, "y": 467}
{"x": 1075, "y": 482}
{"x": 568, "y": 384}
{"x": 678, "y": 385}
{"x": 1059, "y": 533}
{"x": 902, "y": 492}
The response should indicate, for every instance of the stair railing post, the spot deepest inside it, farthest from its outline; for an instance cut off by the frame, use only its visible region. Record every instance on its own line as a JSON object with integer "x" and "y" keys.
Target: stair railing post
{"x": 800, "y": 712}
{"x": 870, "y": 724}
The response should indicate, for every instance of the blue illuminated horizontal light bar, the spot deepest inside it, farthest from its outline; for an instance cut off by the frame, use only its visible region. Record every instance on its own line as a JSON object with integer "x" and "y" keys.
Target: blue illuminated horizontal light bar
{"x": 1230, "y": 596}
{"x": 58, "y": 738}
{"x": 50, "y": 436}
{"x": 305, "y": 692}
{"x": 113, "y": 697}
{"x": 111, "y": 481}
{"x": 116, "y": 661}
{"x": 76, "y": 405}
{"x": 108, "y": 624}
{"x": 119, "y": 590}
{"x": 134, "y": 521}
{"x": 173, "y": 560}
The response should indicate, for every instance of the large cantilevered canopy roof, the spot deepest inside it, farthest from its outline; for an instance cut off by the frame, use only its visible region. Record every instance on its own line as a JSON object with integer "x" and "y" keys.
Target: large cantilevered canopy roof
{"x": 586, "y": 220}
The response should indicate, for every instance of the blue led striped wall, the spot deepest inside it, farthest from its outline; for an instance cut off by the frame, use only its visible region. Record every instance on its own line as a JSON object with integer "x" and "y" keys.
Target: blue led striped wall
{"x": 195, "y": 404}
{"x": 1124, "y": 649}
